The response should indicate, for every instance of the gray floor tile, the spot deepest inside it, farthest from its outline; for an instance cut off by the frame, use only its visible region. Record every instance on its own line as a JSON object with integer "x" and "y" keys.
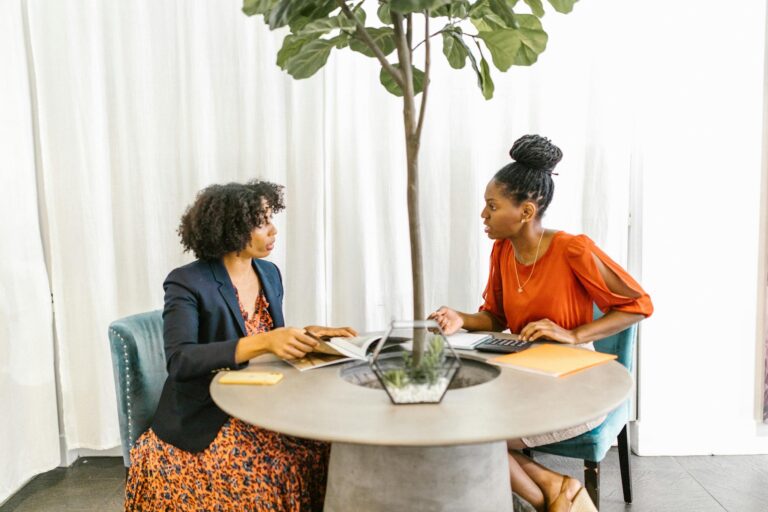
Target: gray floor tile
{"x": 737, "y": 483}
{"x": 114, "y": 502}
{"x": 65, "y": 495}
{"x": 660, "y": 484}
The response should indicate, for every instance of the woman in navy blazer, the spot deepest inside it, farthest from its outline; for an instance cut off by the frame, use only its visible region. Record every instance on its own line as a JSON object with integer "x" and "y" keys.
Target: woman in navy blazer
{"x": 222, "y": 310}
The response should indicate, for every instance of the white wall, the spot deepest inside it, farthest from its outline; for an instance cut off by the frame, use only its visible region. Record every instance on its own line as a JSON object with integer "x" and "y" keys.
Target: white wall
{"x": 701, "y": 129}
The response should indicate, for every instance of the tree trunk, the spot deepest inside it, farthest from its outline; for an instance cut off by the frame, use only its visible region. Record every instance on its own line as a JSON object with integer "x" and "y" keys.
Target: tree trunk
{"x": 414, "y": 227}
{"x": 412, "y": 140}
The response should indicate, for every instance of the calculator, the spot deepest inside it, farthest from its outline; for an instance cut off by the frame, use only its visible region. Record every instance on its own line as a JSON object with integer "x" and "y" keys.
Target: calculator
{"x": 504, "y": 346}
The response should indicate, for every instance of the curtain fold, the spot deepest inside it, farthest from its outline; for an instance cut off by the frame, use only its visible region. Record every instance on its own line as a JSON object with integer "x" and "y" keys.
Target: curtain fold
{"x": 143, "y": 103}
{"x": 29, "y": 431}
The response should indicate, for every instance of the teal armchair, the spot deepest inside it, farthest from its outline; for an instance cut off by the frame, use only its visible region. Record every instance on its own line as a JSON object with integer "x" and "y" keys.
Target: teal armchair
{"x": 138, "y": 363}
{"x": 593, "y": 445}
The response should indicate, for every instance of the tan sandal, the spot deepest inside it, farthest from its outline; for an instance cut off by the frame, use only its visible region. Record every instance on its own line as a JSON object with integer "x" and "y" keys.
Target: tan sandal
{"x": 581, "y": 501}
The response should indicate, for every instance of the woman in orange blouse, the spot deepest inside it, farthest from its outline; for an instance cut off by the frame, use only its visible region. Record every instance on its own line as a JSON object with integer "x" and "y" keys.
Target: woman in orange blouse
{"x": 543, "y": 284}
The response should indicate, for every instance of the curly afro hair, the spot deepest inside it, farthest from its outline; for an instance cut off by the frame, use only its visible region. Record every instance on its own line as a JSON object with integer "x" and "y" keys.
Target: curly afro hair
{"x": 529, "y": 176}
{"x": 222, "y": 217}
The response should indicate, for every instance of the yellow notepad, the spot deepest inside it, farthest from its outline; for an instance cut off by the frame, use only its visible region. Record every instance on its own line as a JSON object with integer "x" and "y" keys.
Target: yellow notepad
{"x": 554, "y": 359}
{"x": 254, "y": 378}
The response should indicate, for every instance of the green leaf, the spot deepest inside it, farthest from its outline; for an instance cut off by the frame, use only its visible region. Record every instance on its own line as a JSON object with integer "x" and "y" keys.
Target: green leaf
{"x": 298, "y": 23}
{"x": 488, "y": 23}
{"x": 309, "y": 59}
{"x": 319, "y": 27}
{"x": 389, "y": 83}
{"x": 504, "y": 44}
{"x": 341, "y": 40}
{"x": 519, "y": 47}
{"x": 315, "y": 10}
{"x": 291, "y": 12}
{"x": 454, "y": 48}
{"x": 456, "y": 9}
{"x": 349, "y": 26}
{"x": 533, "y": 39}
{"x": 384, "y": 14}
{"x": 501, "y": 9}
{"x": 384, "y": 37}
{"x": 291, "y": 46}
{"x": 536, "y": 7}
{"x": 487, "y": 83}
{"x": 483, "y": 73}
{"x": 281, "y": 14}
{"x": 459, "y": 9}
{"x": 442, "y": 11}
{"x": 479, "y": 8}
{"x": 409, "y": 6}
{"x": 255, "y": 7}
{"x": 563, "y": 6}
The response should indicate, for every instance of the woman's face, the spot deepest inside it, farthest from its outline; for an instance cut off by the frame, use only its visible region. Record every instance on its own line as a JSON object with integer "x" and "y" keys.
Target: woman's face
{"x": 262, "y": 239}
{"x": 501, "y": 216}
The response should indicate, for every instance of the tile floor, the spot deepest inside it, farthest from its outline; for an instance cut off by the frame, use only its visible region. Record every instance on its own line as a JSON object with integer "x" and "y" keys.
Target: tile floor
{"x": 660, "y": 484}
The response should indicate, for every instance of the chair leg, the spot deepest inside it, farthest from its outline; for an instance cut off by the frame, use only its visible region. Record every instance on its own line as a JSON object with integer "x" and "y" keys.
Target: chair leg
{"x": 624, "y": 464}
{"x": 592, "y": 481}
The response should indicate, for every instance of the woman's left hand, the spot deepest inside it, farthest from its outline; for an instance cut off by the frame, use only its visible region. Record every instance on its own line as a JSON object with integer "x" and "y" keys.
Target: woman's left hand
{"x": 331, "y": 332}
{"x": 546, "y": 329}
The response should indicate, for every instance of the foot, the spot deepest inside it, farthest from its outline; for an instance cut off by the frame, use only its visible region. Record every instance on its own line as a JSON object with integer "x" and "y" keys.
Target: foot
{"x": 562, "y": 500}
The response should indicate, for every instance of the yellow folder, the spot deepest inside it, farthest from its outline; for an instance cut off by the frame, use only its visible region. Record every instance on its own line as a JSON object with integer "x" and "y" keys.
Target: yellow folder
{"x": 553, "y": 359}
{"x": 254, "y": 378}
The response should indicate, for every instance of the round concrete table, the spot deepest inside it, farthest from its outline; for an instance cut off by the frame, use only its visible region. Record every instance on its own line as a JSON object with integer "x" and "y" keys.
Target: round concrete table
{"x": 447, "y": 456}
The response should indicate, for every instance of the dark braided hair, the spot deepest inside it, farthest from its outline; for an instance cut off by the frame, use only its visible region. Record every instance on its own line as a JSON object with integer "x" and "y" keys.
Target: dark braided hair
{"x": 529, "y": 177}
{"x": 222, "y": 217}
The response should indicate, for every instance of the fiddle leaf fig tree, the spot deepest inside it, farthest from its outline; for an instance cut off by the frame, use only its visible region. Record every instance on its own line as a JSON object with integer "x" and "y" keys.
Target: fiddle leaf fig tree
{"x": 508, "y": 32}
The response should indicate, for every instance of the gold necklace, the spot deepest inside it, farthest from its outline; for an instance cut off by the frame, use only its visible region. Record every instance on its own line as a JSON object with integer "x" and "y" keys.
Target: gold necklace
{"x": 536, "y": 258}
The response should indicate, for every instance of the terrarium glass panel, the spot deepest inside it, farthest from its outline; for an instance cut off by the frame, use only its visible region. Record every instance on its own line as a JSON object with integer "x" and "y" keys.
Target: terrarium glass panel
{"x": 422, "y": 371}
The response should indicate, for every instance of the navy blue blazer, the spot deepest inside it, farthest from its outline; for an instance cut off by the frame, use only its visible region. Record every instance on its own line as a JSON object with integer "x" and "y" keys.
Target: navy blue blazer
{"x": 202, "y": 324}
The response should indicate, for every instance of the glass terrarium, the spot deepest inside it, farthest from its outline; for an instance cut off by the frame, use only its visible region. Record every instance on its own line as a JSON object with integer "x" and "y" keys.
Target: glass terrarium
{"x": 421, "y": 371}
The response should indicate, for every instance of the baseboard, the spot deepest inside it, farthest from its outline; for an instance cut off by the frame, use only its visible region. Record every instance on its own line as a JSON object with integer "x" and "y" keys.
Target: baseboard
{"x": 70, "y": 456}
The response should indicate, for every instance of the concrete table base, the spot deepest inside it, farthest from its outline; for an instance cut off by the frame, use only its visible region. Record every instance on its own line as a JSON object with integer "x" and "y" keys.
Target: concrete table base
{"x": 408, "y": 478}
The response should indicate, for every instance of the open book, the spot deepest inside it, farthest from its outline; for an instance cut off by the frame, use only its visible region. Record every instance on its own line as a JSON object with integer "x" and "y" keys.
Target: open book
{"x": 467, "y": 340}
{"x": 336, "y": 350}
{"x": 340, "y": 350}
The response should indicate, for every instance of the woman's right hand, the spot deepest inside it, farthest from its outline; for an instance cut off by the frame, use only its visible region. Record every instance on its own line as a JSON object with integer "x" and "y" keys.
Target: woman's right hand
{"x": 289, "y": 342}
{"x": 448, "y": 319}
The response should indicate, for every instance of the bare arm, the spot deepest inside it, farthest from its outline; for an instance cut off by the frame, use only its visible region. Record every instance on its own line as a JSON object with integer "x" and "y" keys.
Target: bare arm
{"x": 613, "y": 321}
{"x": 451, "y": 320}
{"x": 284, "y": 342}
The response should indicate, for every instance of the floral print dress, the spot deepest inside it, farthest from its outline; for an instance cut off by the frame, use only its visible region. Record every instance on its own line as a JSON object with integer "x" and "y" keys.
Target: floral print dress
{"x": 245, "y": 468}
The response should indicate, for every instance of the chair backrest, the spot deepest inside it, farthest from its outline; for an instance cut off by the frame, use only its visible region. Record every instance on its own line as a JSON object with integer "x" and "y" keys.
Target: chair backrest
{"x": 138, "y": 363}
{"x": 622, "y": 344}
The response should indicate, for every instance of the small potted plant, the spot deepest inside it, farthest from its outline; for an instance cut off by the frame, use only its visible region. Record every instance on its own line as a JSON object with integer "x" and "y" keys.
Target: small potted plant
{"x": 415, "y": 380}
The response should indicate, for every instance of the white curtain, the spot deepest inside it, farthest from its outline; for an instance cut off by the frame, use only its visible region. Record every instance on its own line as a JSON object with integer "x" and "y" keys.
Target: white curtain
{"x": 577, "y": 94}
{"x": 141, "y": 104}
{"x": 29, "y": 431}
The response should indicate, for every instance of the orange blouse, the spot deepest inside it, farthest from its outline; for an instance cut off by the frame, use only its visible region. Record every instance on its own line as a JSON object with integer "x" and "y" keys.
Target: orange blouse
{"x": 563, "y": 288}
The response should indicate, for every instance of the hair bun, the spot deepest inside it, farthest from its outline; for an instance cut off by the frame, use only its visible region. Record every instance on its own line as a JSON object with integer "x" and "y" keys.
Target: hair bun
{"x": 536, "y": 152}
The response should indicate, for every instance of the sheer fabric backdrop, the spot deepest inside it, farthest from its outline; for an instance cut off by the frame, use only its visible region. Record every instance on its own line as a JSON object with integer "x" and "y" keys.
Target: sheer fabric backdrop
{"x": 141, "y": 104}
{"x": 29, "y": 431}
